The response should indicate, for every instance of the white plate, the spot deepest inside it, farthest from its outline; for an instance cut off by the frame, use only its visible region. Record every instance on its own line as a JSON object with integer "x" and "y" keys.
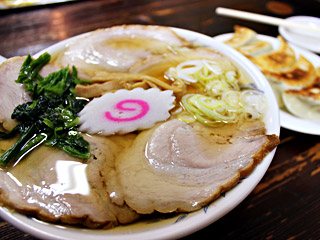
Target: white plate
{"x": 297, "y": 37}
{"x": 287, "y": 120}
{"x": 183, "y": 224}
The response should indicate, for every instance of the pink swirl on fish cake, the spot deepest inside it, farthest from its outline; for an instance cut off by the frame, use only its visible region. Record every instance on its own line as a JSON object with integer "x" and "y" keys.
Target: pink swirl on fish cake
{"x": 144, "y": 109}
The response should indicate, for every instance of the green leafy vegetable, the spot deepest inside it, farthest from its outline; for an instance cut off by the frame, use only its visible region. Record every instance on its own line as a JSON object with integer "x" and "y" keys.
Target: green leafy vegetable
{"x": 29, "y": 72}
{"x": 51, "y": 117}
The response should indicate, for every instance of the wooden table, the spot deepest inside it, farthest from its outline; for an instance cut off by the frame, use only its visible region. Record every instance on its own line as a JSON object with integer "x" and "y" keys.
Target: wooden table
{"x": 286, "y": 203}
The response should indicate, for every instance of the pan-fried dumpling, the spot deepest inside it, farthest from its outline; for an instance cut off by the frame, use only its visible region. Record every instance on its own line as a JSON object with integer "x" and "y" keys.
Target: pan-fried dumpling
{"x": 304, "y": 103}
{"x": 255, "y": 48}
{"x": 303, "y": 74}
{"x": 245, "y": 41}
{"x": 241, "y": 37}
{"x": 301, "y": 107}
{"x": 280, "y": 60}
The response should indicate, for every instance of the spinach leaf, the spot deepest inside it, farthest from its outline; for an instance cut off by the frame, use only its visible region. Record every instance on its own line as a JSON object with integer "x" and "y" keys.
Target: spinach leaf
{"x": 51, "y": 117}
{"x": 29, "y": 72}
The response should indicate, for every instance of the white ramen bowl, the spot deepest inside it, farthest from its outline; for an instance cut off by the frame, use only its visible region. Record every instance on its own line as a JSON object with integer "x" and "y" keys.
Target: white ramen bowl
{"x": 182, "y": 224}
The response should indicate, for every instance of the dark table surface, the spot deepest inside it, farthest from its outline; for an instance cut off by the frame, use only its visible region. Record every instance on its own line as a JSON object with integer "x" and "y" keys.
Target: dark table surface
{"x": 286, "y": 203}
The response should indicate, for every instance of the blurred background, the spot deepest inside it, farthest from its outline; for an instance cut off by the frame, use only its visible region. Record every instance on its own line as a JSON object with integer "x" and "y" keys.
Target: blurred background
{"x": 32, "y": 28}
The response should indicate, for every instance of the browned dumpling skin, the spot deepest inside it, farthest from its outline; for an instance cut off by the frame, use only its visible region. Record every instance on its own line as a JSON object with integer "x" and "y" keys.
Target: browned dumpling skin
{"x": 242, "y": 36}
{"x": 304, "y": 103}
{"x": 302, "y": 75}
{"x": 277, "y": 61}
{"x": 245, "y": 41}
{"x": 255, "y": 48}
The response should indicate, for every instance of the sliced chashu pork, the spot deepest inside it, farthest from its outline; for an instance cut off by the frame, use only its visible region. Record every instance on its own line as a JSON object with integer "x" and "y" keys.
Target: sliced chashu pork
{"x": 116, "y": 49}
{"x": 12, "y": 93}
{"x": 55, "y": 187}
{"x": 177, "y": 167}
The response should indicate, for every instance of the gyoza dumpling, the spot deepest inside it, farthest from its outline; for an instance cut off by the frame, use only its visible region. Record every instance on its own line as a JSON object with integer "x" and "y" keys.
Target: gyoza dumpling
{"x": 241, "y": 37}
{"x": 304, "y": 103}
{"x": 302, "y": 75}
{"x": 255, "y": 48}
{"x": 280, "y": 60}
